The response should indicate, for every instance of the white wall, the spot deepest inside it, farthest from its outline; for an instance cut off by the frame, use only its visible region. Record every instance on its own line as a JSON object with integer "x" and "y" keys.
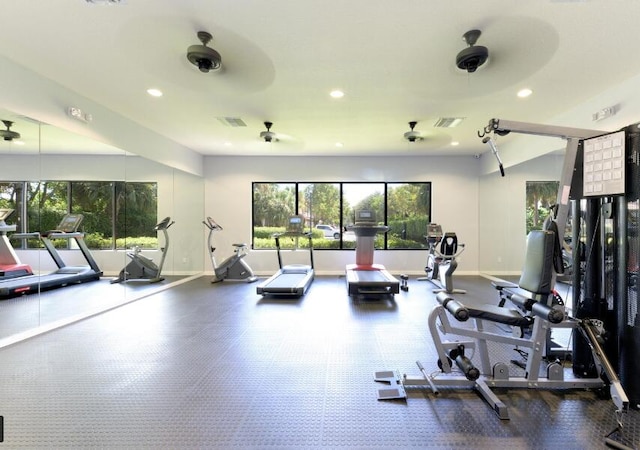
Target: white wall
{"x": 501, "y": 224}
{"x": 455, "y": 202}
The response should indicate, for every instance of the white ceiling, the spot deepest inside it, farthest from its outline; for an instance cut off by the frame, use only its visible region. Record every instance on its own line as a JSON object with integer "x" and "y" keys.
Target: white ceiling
{"x": 395, "y": 61}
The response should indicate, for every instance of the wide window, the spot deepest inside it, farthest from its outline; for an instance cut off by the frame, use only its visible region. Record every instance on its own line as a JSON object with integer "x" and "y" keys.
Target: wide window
{"x": 116, "y": 214}
{"x": 329, "y": 209}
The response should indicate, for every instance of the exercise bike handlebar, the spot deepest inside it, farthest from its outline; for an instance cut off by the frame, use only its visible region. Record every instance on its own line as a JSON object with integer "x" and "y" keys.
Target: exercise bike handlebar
{"x": 212, "y": 225}
{"x": 164, "y": 224}
{"x": 461, "y": 248}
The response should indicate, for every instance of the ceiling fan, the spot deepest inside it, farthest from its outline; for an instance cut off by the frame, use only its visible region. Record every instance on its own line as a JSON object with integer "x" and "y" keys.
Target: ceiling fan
{"x": 268, "y": 136}
{"x": 7, "y": 134}
{"x": 412, "y": 135}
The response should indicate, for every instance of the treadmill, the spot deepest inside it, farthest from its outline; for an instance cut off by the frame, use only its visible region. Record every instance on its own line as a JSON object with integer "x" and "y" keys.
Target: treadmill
{"x": 64, "y": 275}
{"x": 291, "y": 280}
{"x": 364, "y": 278}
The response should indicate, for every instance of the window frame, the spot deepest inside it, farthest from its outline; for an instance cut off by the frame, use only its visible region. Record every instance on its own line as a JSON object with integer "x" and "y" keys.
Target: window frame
{"x": 262, "y": 241}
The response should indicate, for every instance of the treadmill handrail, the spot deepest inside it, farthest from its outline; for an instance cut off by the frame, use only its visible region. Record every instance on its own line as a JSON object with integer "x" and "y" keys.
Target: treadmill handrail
{"x": 32, "y": 235}
{"x": 63, "y": 235}
{"x": 277, "y": 237}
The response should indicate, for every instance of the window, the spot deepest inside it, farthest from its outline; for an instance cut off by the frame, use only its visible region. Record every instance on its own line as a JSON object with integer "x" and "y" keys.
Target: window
{"x": 11, "y": 198}
{"x": 47, "y": 202}
{"x": 329, "y": 209}
{"x": 94, "y": 200}
{"x": 408, "y": 214}
{"x": 273, "y": 204}
{"x": 541, "y": 195}
{"x": 359, "y": 196}
{"x": 135, "y": 212}
{"x": 319, "y": 204}
{"x": 116, "y": 214}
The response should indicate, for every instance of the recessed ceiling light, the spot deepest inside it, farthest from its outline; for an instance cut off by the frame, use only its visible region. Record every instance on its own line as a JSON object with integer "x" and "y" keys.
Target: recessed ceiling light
{"x": 336, "y": 93}
{"x": 339, "y": 144}
{"x": 523, "y": 93}
{"x": 228, "y": 144}
{"x": 454, "y": 143}
{"x": 154, "y": 92}
{"x": 18, "y": 142}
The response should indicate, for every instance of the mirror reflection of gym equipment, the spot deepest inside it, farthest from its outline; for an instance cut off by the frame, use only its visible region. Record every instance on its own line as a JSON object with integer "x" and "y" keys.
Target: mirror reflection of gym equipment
{"x": 233, "y": 268}
{"x": 21, "y": 279}
{"x": 441, "y": 259}
{"x": 10, "y": 265}
{"x": 141, "y": 268}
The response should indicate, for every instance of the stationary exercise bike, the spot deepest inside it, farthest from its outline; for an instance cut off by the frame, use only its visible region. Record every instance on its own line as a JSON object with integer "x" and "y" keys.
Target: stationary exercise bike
{"x": 141, "y": 268}
{"x": 441, "y": 259}
{"x": 234, "y": 268}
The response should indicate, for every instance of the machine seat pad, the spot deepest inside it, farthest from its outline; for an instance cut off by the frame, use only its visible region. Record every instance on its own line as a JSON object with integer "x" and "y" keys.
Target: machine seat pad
{"x": 484, "y": 311}
{"x": 239, "y": 245}
{"x": 499, "y": 314}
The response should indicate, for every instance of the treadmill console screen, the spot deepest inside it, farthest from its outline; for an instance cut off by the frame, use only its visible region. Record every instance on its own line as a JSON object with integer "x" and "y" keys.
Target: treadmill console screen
{"x": 296, "y": 224}
{"x": 365, "y": 215}
{"x": 70, "y": 223}
{"x": 434, "y": 231}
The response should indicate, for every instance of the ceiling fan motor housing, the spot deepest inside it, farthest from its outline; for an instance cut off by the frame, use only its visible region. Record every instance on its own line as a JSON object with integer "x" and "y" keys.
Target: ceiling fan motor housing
{"x": 205, "y": 58}
{"x": 412, "y": 136}
{"x": 472, "y": 57}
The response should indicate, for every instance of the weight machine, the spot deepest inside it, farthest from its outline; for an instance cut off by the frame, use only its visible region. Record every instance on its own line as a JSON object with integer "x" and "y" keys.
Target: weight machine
{"x": 530, "y": 306}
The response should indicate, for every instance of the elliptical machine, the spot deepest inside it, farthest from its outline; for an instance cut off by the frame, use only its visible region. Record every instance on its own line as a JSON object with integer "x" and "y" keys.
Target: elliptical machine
{"x": 234, "y": 268}
{"x": 441, "y": 259}
{"x": 141, "y": 268}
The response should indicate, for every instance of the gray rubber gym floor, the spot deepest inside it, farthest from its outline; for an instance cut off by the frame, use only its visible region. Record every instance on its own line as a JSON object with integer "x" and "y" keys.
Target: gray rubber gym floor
{"x": 216, "y": 366}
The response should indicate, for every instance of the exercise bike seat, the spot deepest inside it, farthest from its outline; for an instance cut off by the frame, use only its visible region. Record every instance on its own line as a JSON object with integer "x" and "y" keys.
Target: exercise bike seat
{"x": 239, "y": 245}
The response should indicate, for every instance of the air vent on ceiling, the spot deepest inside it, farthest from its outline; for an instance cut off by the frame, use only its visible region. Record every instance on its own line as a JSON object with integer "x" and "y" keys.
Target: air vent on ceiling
{"x": 232, "y": 121}
{"x": 448, "y": 122}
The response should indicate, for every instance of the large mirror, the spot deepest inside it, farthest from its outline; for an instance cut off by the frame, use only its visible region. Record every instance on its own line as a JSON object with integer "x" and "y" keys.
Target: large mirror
{"x": 112, "y": 244}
